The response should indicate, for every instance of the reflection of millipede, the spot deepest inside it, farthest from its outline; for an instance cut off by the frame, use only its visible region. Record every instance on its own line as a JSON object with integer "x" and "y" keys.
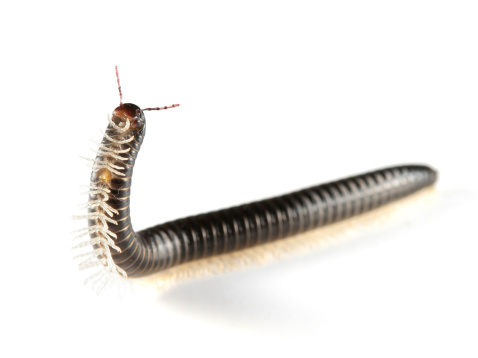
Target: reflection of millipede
{"x": 133, "y": 254}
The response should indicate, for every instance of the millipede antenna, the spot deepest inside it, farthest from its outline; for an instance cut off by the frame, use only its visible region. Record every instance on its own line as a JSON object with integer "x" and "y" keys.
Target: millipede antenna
{"x": 119, "y": 86}
{"x": 159, "y": 108}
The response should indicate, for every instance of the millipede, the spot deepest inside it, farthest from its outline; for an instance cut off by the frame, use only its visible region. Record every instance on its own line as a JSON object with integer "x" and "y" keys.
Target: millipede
{"x": 128, "y": 253}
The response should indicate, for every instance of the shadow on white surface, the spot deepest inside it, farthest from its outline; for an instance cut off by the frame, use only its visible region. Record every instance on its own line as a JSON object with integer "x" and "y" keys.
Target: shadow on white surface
{"x": 282, "y": 295}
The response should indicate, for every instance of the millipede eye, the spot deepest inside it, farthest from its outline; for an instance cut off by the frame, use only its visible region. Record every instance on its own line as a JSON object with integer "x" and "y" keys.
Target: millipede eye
{"x": 137, "y": 124}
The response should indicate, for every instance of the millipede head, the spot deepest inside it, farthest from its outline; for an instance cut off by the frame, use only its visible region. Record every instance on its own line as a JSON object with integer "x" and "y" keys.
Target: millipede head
{"x": 132, "y": 113}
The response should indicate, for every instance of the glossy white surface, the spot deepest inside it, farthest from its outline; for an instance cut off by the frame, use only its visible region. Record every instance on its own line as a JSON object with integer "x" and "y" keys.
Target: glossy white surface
{"x": 275, "y": 96}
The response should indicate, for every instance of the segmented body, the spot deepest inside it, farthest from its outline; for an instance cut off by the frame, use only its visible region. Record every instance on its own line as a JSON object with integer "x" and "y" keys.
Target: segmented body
{"x": 135, "y": 254}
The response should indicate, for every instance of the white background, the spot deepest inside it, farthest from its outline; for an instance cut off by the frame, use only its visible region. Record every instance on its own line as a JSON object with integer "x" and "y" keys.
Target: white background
{"x": 275, "y": 96}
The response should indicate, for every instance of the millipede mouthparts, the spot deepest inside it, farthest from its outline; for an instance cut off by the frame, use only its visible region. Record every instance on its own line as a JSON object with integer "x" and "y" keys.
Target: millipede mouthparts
{"x": 121, "y": 250}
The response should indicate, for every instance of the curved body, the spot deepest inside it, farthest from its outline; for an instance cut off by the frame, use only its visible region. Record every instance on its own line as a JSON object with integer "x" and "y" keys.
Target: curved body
{"x": 135, "y": 254}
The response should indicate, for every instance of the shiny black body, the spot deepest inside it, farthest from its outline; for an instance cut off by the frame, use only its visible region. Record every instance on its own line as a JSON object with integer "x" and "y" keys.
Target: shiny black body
{"x": 176, "y": 242}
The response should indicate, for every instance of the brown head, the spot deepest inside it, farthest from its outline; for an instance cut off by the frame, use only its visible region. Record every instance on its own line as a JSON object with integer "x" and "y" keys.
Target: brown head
{"x": 129, "y": 112}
